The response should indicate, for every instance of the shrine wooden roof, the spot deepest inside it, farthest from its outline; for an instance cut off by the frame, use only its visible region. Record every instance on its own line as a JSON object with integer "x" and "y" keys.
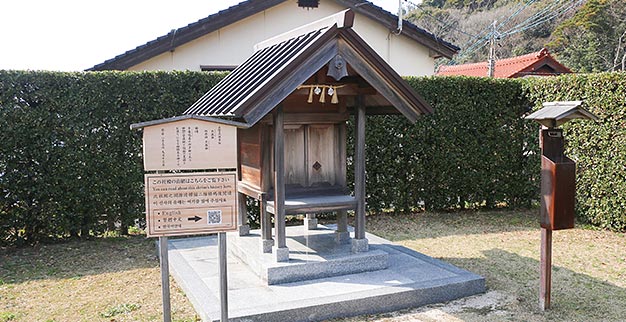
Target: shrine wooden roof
{"x": 283, "y": 63}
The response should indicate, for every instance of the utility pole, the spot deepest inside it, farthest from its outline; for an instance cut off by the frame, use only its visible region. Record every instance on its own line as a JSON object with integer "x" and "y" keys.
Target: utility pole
{"x": 492, "y": 50}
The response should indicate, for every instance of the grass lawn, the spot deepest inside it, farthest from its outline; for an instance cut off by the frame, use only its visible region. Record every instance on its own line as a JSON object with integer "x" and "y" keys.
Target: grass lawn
{"x": 588, "y": 276}
{"x": 107, "y": 279}
{"x": 117, "y": 279}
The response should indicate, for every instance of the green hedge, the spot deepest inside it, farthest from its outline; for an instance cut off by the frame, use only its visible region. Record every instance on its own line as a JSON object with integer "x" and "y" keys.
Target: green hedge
{"x": 70, "y": 166}
{"x": 473, "y": 152}
{"x": 599, "y": 148}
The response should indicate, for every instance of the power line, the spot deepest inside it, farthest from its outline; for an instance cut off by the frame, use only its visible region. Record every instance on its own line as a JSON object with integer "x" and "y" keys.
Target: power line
{"x": 519, "y": 10}
{"x": 491, "y": 33}
{"x": 444, "y": 24}
{"x": 544, "y": 17}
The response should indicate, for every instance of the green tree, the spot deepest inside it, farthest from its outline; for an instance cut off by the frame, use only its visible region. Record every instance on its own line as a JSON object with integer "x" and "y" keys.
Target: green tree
{"x": 594, "y": 39}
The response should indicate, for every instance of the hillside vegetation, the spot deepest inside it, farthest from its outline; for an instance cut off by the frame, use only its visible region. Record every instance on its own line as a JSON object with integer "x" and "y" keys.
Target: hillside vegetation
{"x": 585, "y": 35}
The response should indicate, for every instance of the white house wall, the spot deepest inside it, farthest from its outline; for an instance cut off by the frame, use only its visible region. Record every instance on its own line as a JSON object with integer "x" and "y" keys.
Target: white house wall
{"x": 233, "y": 44}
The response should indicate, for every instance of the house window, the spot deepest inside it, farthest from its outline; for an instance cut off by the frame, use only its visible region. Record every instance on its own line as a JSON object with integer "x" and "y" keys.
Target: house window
{"x": 217, "y": 68}
{"x": 308, "y": 3}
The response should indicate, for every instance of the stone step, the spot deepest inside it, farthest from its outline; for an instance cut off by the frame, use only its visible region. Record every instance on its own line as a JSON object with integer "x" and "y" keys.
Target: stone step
{"x": 313, "y": 254}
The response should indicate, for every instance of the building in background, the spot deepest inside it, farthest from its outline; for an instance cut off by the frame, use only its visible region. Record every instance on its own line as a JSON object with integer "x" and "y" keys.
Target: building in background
{"x": 540, "y": 63}
{"x": 224, "y": 40}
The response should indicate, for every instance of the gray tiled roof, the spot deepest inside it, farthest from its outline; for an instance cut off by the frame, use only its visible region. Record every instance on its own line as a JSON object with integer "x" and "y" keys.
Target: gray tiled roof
{"x": 248, "y": 8}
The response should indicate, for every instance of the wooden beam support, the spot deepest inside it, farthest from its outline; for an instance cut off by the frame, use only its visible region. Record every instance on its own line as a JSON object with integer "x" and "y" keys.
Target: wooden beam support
{"x": 312, "y": 118}
{"x": 346, "y": 90}
{"x": 266, "y": 222}
{"x": 248, "y": 190}
{"x": 279, "y": 183}
{"x": 359, "y": 169}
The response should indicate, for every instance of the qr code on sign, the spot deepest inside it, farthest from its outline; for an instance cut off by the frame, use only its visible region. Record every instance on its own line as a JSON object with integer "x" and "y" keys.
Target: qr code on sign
{"x": 214, "y": 217}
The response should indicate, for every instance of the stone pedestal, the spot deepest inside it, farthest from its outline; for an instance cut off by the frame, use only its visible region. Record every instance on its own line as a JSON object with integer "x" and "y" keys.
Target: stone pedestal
{"x": 310, "y": 254}
{"x": 266, "y": 245}
{"x": 342, "y": 237}
{"x": 310, "y": 222}
{"x": 281, "y": 254}
{"x": 244, "y": 230}
{"x": 360, "y": 245}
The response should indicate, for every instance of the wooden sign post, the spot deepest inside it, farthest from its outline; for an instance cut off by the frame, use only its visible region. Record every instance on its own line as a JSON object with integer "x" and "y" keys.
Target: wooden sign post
{"x": 180, "y": 202}
{"x": 558, "y": 182}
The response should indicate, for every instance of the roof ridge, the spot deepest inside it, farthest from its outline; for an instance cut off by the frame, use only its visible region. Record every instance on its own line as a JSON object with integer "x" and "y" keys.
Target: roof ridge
{"x": 506, "y": 67}
{"x": 247, "y": 8}
{"x": 342, "y": 19}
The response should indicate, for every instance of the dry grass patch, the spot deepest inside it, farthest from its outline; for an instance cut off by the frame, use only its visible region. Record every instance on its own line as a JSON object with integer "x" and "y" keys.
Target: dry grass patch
{"x": 109, "y": 279}
{"x": 118, "y": 279}
{"x": 589, "y": 267}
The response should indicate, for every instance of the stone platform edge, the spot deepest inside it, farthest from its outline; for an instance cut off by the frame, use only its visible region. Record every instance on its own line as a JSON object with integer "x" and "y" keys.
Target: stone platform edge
{"x": 281, "y": 273}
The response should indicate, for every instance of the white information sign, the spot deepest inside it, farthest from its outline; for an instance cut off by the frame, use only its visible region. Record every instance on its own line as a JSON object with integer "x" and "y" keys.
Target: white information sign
{"x": 189, "y": 144}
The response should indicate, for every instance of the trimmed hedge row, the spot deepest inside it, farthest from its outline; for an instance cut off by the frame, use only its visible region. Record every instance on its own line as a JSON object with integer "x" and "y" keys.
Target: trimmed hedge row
{"x": 599, "y": 148}
{"x": 472, "y": 152}
{"x": 70, "y": 166}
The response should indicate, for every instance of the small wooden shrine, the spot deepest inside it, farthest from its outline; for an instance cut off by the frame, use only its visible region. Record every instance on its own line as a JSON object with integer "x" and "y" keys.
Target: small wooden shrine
{"x": 294, "y": 96}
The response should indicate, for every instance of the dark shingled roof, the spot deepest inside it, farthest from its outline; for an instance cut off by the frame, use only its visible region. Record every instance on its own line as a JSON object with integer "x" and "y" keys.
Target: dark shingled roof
{"x": 228, "y": 95}
{"x": 248, "y": 8}
{"x": 283, "y": 63}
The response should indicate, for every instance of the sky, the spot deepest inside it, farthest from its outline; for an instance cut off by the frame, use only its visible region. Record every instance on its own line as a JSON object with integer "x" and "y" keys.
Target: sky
{"x": 73, "y": 35}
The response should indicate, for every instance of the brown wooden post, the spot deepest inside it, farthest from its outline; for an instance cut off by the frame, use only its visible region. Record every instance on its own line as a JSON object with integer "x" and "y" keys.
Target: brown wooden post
{"x": 342, "y": 234}
{"x": 546, "y": 269}
{"x": 281, "y": 252}
{"x": 359, "y": 243}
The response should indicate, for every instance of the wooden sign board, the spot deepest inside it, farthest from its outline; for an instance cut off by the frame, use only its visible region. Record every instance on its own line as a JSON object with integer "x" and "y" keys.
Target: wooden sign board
{"x": 189, "y": 144}
{"x": 190, "y": 203}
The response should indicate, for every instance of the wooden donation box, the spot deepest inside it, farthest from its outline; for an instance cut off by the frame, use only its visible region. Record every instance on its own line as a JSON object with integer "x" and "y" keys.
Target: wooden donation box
{"x": 558, "y": 182}
{"x": 190, "y": 180}
{"x": 558, "y": 172}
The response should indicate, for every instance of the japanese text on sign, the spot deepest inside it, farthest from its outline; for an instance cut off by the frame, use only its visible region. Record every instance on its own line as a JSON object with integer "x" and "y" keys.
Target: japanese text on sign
{"x": 190, "y": 203}
{"x": 190, "y": 144}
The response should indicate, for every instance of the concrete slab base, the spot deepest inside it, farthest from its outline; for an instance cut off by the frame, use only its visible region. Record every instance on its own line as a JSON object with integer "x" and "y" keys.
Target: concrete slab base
{"x": 309, "y": 255}
{"x": 410, "y": 280}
